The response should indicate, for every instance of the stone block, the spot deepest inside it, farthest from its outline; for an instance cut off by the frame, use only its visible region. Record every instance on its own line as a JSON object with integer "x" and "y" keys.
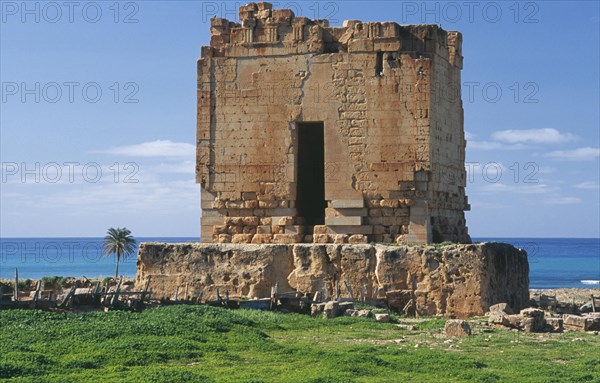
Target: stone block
{"x": 336, "y": 212}
{"x": 533, "y": 320}
{"x": 287, "y": 212}
{"x": 219, "y": 229}
{"x": 320, "y": 229}
{"x": 502, "y": 308}
{"x": 362, "y": 229}
{"x": 321, "y": 238}
{"x": 282, "y": 221}
{"x": 241, "y": 238}
{"x": 555, "y": 324}
{"x": 263, "y": 229}
{"x": 363, "y": 313}
{"x": 269, "y": 204}
{"x": 498, "y": 318}
{"x": 249, "y": 196}
{"x": 262, "y": 6}
{"x": 286, "y": 238}
{"x": 331, "y": 309}
{"x": 316, "y": 309}
{"x": 357, "y": 239}
{"x": 343, "y": 221}
{"x": 282, "y": 15}
{"x": 345, "y": 204}
{"x": 208, "y": 221}
{"x": 294, "y": 229}
{"x": 251, "y": 221}
{"x": 581, "y": 323}
{"x": 592, "y": 323}
{"x": 456, "y": 328}
{"x": 262, "y": 238}
{"x": 249, "y": 230}
{"x": 224, "y": 238}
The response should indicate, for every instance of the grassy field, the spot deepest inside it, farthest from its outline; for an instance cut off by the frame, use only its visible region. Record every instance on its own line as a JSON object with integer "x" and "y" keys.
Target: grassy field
{"x": 204, "y": 344}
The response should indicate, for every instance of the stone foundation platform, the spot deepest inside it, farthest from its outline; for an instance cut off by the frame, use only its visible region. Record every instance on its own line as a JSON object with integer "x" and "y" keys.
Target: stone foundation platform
{"x": 453, "y": 280}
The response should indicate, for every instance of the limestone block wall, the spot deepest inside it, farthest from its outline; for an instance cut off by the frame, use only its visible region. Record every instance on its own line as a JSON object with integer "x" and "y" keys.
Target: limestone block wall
{"x": 453, "y": 280}
{"x": 389, "y": 145}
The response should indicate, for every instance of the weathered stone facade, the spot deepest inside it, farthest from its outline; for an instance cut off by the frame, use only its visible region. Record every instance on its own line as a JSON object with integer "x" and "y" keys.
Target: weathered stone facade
{"x": 312, "y": 133}
{"x": 453, "y": 280}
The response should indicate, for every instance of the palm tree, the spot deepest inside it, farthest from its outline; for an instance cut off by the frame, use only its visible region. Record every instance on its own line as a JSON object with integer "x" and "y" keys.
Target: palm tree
{"x": 119, "y": 242}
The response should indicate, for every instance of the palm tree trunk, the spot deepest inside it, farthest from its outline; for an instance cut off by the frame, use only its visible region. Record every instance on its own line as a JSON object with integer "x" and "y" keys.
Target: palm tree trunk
{"x": 117, "y": 266}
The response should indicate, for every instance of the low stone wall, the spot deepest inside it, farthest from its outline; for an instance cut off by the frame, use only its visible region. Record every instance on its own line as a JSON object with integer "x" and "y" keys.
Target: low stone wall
{"x": 452, "y": 280}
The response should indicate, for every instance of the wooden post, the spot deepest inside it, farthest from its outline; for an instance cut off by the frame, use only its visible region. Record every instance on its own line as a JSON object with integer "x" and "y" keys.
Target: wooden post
{"x": 218, "y": 296}
{"x": 38, "y": 289}
{"x": 146, "y": 287}
{"x": 347, "y": 285}
{"x": 115, "y": 298}
{"x": 317, "y": 297}
{"x": 593, "y": 303}
{"x": 363, "y": 293}
{"x": 186, "y": 291}
{"x": 274, "y": 295}
{"x": 176, "y": 293}
{"x": 69, "y": 297}
{"x": 407, "y": 306}
{"x": 16, "y": 291}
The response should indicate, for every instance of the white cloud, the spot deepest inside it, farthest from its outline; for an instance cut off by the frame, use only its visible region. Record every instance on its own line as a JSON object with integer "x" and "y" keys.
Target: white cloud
{"x": 588, "y": 185}
{"x": 562, "y": 201}
{"x": 183, "y": 167}
{"x": 547, "y": 170}
{"x": 532, "y": 136}
{"x": 518, "y": 188}
{"x": 579, "y": 154}
{"x": 112, "y": 198}
{"x": 492, "y": 145}
{"x": 158, "y": 148}
{"x": 488, "y": 205}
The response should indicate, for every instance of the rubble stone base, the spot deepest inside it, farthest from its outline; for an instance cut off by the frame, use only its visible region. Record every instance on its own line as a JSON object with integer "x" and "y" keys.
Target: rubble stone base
{"x": 453, "y": 280}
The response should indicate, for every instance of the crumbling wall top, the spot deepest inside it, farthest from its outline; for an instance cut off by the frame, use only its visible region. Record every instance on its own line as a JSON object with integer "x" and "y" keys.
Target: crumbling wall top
{"x": 263, "y": 30}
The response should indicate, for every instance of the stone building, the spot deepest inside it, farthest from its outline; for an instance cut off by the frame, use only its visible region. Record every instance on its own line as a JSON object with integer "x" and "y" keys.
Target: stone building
{"x": 312, "y": 133}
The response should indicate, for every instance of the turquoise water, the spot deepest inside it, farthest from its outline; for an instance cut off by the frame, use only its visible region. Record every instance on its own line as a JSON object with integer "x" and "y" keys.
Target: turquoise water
{"x": 559, "y": 262}
{"x": 73, "y": 257}
{"x": 553, "y": 262}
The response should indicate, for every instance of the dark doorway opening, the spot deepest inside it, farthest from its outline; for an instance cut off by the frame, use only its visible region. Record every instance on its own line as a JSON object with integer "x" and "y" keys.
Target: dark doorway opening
{"x": 310, "y": 199}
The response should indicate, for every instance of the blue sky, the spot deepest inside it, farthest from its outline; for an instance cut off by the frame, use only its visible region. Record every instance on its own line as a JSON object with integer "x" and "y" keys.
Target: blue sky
{"x": 108, "y": 88}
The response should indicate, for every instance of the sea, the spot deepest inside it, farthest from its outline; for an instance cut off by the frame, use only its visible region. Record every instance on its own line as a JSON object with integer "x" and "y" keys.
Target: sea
{"x": 553, "y": 262}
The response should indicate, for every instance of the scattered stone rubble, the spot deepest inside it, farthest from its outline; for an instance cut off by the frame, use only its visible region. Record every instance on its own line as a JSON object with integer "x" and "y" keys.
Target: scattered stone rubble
{"x": 537, "y": 320}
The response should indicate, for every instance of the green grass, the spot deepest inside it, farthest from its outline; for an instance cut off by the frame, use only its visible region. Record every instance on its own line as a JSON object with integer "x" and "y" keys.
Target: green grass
{"x": 205, "y": 344}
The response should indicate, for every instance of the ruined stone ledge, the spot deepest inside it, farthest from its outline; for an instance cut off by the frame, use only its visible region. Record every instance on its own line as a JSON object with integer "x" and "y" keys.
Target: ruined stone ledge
{"x": 453, "y": 280}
